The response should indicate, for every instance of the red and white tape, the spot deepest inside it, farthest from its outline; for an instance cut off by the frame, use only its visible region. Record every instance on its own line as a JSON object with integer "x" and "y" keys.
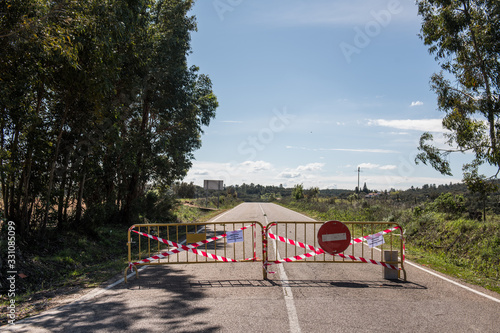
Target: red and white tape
{"x": 264, "y": 246}
{"x": 302, "y": 245}
{"x": 316, "y": 251}
{"x": 180, "y": 248}
{"x": 383, "y": 232}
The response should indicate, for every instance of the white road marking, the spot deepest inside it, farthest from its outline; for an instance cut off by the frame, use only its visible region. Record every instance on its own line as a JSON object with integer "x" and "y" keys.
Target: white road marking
{"x": 293, "y": 319}
{"x": 454, "y": 282}
{"x": 449, "y": 280}
{"x": 307, "y": 217}
{"x": 97, "y": 291}
{"x": 221, "y": 215}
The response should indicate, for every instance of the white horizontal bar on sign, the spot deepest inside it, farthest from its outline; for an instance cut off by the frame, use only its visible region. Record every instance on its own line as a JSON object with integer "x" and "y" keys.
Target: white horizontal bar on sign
{"x": 334, "y": 237}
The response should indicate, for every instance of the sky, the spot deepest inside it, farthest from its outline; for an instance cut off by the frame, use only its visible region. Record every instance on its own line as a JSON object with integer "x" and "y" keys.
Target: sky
{"x": 310, "y": 91}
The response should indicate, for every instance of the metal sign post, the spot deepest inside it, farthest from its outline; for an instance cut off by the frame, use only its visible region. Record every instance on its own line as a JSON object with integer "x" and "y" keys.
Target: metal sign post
{"x": 217, "y": 185}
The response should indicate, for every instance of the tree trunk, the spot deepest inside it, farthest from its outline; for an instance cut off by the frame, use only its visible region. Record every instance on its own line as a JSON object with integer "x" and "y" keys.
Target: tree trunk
{"x": 12, "y": 214}
{"x": 2, "y": 175}
{"x": 67, "y": 201}
{"x": 133, "y": 186}
{"x": 78, "y": 215}
{"x": 60, "y": 204}
{"x": 52, "y": 171}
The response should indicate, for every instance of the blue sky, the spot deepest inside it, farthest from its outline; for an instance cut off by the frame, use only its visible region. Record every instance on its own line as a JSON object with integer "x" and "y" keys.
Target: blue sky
{"x": 311, "y": 90}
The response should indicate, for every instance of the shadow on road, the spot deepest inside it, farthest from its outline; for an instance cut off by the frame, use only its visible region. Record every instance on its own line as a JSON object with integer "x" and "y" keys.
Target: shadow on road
{"x": 206, "y": 284}
{"x": 121, "y": 308}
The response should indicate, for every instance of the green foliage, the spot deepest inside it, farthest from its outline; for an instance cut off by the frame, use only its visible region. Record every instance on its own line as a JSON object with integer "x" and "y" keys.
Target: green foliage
{"x": 185, "y": 190}
{"x": 269, "y": 197}
{"x": 449, "y": 203}
{"x": 69, "y": 257}
{"x": 298, "y": 192}
{"x": 157, "y": 207}
{"x": 220, "y": 201}
{"x": 97, "y": 102}
{"x": 312, "y": 193}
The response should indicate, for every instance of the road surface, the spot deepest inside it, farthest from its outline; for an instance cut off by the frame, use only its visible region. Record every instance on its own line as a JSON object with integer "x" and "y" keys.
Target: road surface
{"x": 232, "y": 297}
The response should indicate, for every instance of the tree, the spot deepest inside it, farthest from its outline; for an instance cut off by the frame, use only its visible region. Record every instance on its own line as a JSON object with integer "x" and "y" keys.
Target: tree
{"x": 298, "y": 192}
{"x": 98, "y": 104}
{"x": 185, "y": 190}
{"x": 464, "y": 35}
{"x": 449, "y": 203}
{"x": 313, "y": 193}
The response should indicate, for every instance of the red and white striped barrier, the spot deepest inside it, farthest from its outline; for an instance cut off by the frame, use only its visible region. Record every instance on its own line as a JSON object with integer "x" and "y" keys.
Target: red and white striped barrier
{"x": 190, "y": 248}
{"x": 316, "y": 251}
{"x": 304, "y": 246}
{"x": 383, "y": 232}
{"x": 264, "y": 246}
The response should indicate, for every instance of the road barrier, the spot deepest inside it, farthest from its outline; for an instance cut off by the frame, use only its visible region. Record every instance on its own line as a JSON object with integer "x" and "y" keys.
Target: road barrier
{"x": 210, "y": 242}
{"x": 163, "y": 243}
{"x": 298, "y": 242}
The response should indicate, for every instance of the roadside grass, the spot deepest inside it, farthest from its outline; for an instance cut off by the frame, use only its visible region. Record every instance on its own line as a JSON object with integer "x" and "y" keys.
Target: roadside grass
{"x": 461, "y": 270}
{"x": 66, "y": 263}
{"x": 449, "y": 243}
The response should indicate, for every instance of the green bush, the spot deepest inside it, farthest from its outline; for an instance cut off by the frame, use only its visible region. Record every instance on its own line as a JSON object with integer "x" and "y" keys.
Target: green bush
{"x": 449, "y": 204}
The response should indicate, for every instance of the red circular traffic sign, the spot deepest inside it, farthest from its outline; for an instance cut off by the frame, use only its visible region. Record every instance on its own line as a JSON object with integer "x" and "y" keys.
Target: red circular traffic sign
{"x": 334, "y": 237}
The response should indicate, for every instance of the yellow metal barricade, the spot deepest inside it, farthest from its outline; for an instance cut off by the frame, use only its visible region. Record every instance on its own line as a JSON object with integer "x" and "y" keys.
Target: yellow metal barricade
{"x": 276, "y": 243}
{"x": 194, "y": 243}
{"x": 298, "y": 242}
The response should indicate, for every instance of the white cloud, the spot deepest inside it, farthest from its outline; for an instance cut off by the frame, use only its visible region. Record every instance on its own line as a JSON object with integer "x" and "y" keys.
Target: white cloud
{"x": 368, "y": 166}
{"x": 398, "y": 133}
{"x": 311, "y": 167}
{"x": 237, "y": 174}
{"x": 377, "y": 166}
{"x": 231, "y": 173}
{"x": 424, "y": 125}
{"x": 256, "y": 166}
{"x": 417, "y": 103}
{"x": 232, "y": 121}
{"x": 302, "y": 172}
{"x": 289, "y": 174}
{"x": 355, "y": 150}
{"x": 388, "y": 167}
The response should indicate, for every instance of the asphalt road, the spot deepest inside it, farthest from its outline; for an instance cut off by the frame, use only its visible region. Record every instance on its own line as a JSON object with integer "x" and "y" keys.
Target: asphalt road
{"x": 299, "y": 297}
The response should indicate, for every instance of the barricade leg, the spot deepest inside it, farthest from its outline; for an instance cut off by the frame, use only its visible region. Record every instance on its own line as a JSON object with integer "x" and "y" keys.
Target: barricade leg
{"x": 390, "y": 257}
{"x": 131, "y": 268}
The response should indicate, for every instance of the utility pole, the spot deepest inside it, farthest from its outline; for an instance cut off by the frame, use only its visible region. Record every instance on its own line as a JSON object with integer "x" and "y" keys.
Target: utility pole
{"x": 359, "y": 170}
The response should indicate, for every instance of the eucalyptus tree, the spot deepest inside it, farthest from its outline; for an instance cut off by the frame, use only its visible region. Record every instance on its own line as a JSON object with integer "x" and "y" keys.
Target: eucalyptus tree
{"x": 464, "y": 37}
{"x": 35, "y": 36}
{"x": 174, "y": 102}
{"x": 97, "y": 101}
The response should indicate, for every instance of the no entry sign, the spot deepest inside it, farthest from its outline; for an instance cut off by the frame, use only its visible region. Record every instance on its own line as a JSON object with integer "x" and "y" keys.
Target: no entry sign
{"x": 334, "y": 237}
